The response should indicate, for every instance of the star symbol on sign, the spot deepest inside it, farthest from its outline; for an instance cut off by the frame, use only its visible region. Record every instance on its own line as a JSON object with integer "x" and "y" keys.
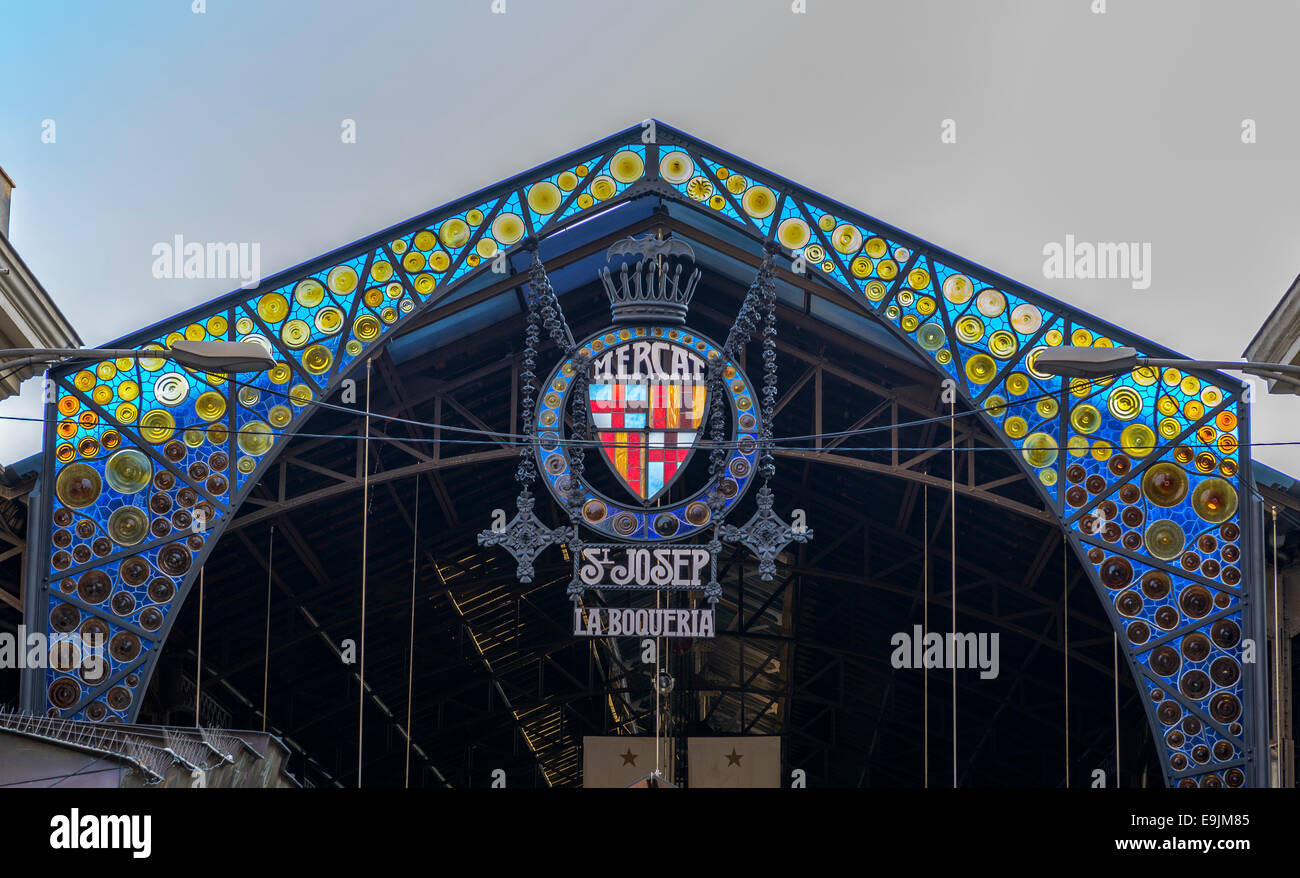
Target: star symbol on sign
{"x": 733, "y": 758}
{"x": 629, "y": 758}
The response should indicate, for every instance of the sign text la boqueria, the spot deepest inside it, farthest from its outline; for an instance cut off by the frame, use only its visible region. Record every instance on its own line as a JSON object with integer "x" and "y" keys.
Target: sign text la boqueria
{"x": 644, "y": 622}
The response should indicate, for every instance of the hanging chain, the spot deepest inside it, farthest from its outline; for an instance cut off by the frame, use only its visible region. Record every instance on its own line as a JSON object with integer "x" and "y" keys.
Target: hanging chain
{"x": 527, "y": 471}
{"x": 766, "y": 465}
{"x": 573, "y": 498}
{"x": 761, "y": 292}
{"x": 552, "y": 315}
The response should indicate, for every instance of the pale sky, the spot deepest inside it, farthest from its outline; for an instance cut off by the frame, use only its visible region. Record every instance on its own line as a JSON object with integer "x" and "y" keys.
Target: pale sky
{"x": 225, "y": 126}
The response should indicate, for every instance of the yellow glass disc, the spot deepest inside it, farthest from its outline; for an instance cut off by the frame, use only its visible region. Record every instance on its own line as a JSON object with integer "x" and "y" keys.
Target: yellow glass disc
{"x": 300, "y": 394}
{"x": 296, "y": 333}
{"x": 626, "y": 166}
{"x": 970, "y": 329}
{"x": 279, "y": 416}
{"x": 210, "y": 405}
{"x": 676, "y": 167}
{"x": 602, "y": 188}
{"x": 317, "y": 359}
{"x": 413, "y": 261}
{"x": 568, "y": 181}
{"x": 918, "y": 278}
{"x": 544, "y": 198}
{"x": 1085, "y": 418}
{"x": 439, "y": 260}
{"x": 106, "y": 370}
{"x": 1124, "y": 403}
{"x": 342, "y": 279}
{"x": 1137, "y": 440}
{"x": 272, "y": 307}
{"x": 700, "y": 189}
{"x": 454, "y": 233}
{"x": 509, "y": 227}
{"x": 1003, "y": 344}
{"x": 1039, "y": 450}
{"x": 1017, "y": 383}
{"x": 846, "y": 238}
{"x": 758, "y": 202}
{"x": 217, "y": 326}
{"x": 310, "y": 292}
{"x": 255, "y": 438}
{"x": 329, "y": 320}
{"x": 279, "y": 373}
{"x": 366, "y": 327}
{"x": 424, "y": 283}
{"x": 425, "y": 240}
{"x": 381, "y": 271}
{"x": 157, "y": 425}
{"x": 991, "y": 303}
{"x": 1015, "y": 427}
{"x": 956, "y": 289}
{"x": 981, "y": 368}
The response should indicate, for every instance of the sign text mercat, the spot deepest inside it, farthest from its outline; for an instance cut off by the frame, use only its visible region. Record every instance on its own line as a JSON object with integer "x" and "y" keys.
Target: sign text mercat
{"x": 650, "y": 361}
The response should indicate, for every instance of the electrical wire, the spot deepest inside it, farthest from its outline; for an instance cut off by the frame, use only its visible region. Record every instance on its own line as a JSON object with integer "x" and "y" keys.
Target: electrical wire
{"x": 703, "y": 443}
